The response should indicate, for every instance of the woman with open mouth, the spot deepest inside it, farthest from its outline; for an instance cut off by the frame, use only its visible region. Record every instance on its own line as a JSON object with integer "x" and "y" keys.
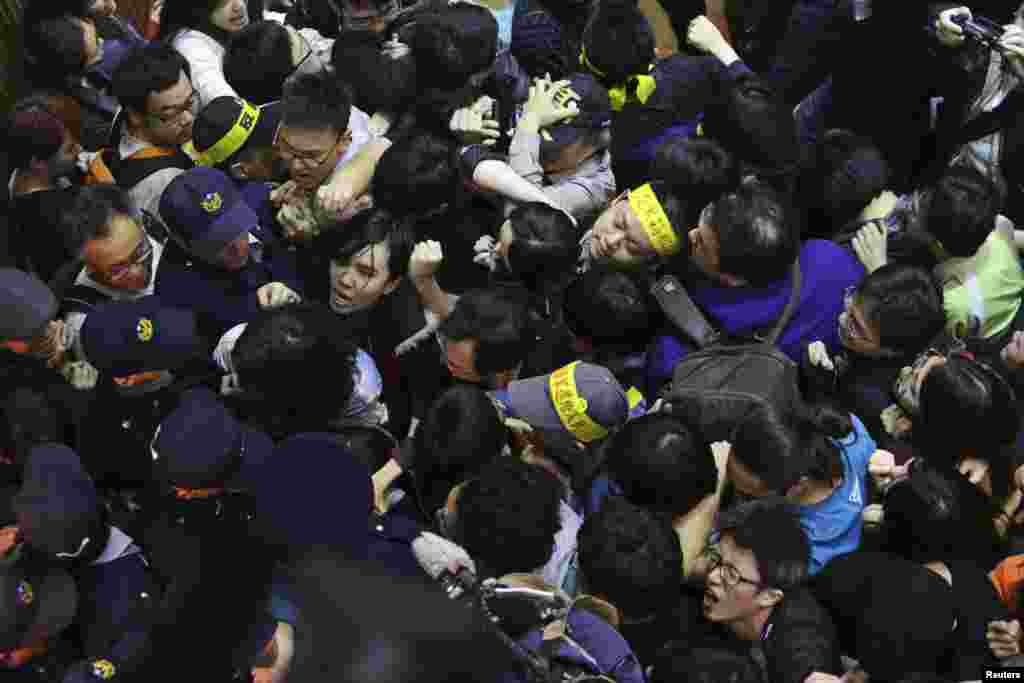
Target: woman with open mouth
{"x": 200, "y": 32}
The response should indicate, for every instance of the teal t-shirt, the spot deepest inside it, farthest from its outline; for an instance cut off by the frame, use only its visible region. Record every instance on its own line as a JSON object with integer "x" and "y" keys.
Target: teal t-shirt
{"x": 834, "y": 525}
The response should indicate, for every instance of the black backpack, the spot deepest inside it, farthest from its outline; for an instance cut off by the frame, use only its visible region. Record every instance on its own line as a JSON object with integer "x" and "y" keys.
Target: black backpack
{"x": 716, "y": 386}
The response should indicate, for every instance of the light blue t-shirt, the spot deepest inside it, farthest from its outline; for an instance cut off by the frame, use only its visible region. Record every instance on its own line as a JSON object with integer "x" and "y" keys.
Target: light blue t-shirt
{"x": 833, "y": 526}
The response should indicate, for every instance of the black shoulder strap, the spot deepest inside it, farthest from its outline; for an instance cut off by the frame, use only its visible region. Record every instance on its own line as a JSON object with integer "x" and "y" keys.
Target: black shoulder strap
{"x": 682, "y": 312}
{"x": 129, "y": 172}
{"x": 82, "y": 298}
{"x": 989, "y": 122}
{"x": 687, "y": 317}
{"x": 790, "y": 309}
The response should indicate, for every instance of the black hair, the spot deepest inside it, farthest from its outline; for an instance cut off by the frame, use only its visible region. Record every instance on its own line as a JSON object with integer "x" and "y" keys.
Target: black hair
{"x": 435, "y": 640}
{"x": 630, "y": 557}
{"x": 317, "y": 101}
{"x": 698, "y": 168}
{"x": 416, "y": 175}
{"x": 22, "y": 146}
{"x": 678, "y": 662}
{"x": 146, "y": 71}
{"x": 258, "y": 61}
{"x": 379, "y": 82}
{"x": 619, "y": 41}
{"x": 56, "y": 46}
{"x": 770, "y": 529}
{"x": 923, "y": 517}
{"x": 846, "y": 173}
{"x": 756, "y": 238}
{"x": 752, "y": 121}
{"x": 780, "y": 449}
{"x": 662, "y": 464}
{"x": 508, "y": 516}
{"x": 610, "y": 306}
{"x": 962, "y": 209}
{"x": 544, "y": 251}
{"x": 453, "y": 44}
{"x": 30, "y": 419}
{"x": 460, "y": 434}
{"x": 963, "y": 392}
{"x": 295, "y": 343}
{"x": 367, "y": 229}
{"x": 88, "y": 218}
{"x": 498, "y": 321}
{"x": 36, "y": 10}
{"x": 905, "y": 304}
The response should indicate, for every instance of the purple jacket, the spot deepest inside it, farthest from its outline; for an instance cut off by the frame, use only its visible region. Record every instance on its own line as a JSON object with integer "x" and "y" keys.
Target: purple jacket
{"x": 611, "y": 652}
{"x": 826, "y": 271}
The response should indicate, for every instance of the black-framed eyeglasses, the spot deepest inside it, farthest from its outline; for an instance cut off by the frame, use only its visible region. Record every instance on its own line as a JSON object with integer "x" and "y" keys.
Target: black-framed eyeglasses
{"x": 731, "y": 576}
{"x": 190, "y": 105}
{"x": 305, "y": 159}
{"x": 139, "y": 255}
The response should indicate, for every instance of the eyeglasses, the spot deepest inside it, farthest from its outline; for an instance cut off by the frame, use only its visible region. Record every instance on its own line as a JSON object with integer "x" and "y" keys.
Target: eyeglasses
{"x": 731, "y": 576}
{"x": 190, "y": 106}
{"x": 289, "y": 154}
{"x": 142, "y": 252}
{"x": 855, "y": 330}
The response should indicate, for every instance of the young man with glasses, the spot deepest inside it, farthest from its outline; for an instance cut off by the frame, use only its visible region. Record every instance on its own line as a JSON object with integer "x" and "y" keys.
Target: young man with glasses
{"x": 326, "y": 145}
{"x": 757, "y": 562}
{"x": 155, "y": 89}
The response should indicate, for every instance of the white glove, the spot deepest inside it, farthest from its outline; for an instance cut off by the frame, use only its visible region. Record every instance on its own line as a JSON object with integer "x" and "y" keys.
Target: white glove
{"x": 394, "y": 48}
{"x": 425, "y": 260}
{"x": 817, "y": 354}
{"x": 437, "y": 555}
{"x": 85, "y": 160}
{"x": 379, "y": 124}
{"x": 276, "y": 294}
{"x": 80, "y": 374}
{"x": 871, "y": 246}
{"x": 949, "y": 34}
{"x": 473, "y": 124}
{"x": 485, "y": 252}
{"x": 1013, "y": 43}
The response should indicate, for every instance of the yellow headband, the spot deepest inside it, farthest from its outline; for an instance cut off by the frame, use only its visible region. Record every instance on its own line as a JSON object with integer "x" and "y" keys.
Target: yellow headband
{"x": 236, "y": 137}
{"x": 654, "y": 220}
{"x": 571, "y": 407}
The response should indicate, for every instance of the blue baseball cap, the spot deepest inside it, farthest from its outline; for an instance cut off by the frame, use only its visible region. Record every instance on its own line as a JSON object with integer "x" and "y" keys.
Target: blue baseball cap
{"x": 26, "y": 305}
{"x": 57, "y": 506}
{"x": 124, "y": 338}
{"x": 201, "y": 445}
{"x": 204, "y": 207}
{"x": 313, "y": 492}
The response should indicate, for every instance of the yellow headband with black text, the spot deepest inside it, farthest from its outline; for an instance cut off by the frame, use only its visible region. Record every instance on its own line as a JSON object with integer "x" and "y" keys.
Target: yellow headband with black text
{"x": 235, "y": 138}
{"x": 571, "y": 407}
{"x": 654, "y": 220}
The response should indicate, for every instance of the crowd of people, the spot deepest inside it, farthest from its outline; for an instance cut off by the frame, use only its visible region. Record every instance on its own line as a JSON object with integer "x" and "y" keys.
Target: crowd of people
{"x": 484, "y": 340}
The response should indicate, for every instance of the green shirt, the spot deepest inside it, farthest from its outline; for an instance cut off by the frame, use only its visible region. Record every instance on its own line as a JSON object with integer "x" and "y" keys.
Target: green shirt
{"x": 987, "y": 285}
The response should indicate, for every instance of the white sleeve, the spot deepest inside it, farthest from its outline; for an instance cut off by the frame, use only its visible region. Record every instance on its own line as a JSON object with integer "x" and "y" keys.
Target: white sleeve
{"x": 73, "y": 323}
{"x": 206, "y": 61}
